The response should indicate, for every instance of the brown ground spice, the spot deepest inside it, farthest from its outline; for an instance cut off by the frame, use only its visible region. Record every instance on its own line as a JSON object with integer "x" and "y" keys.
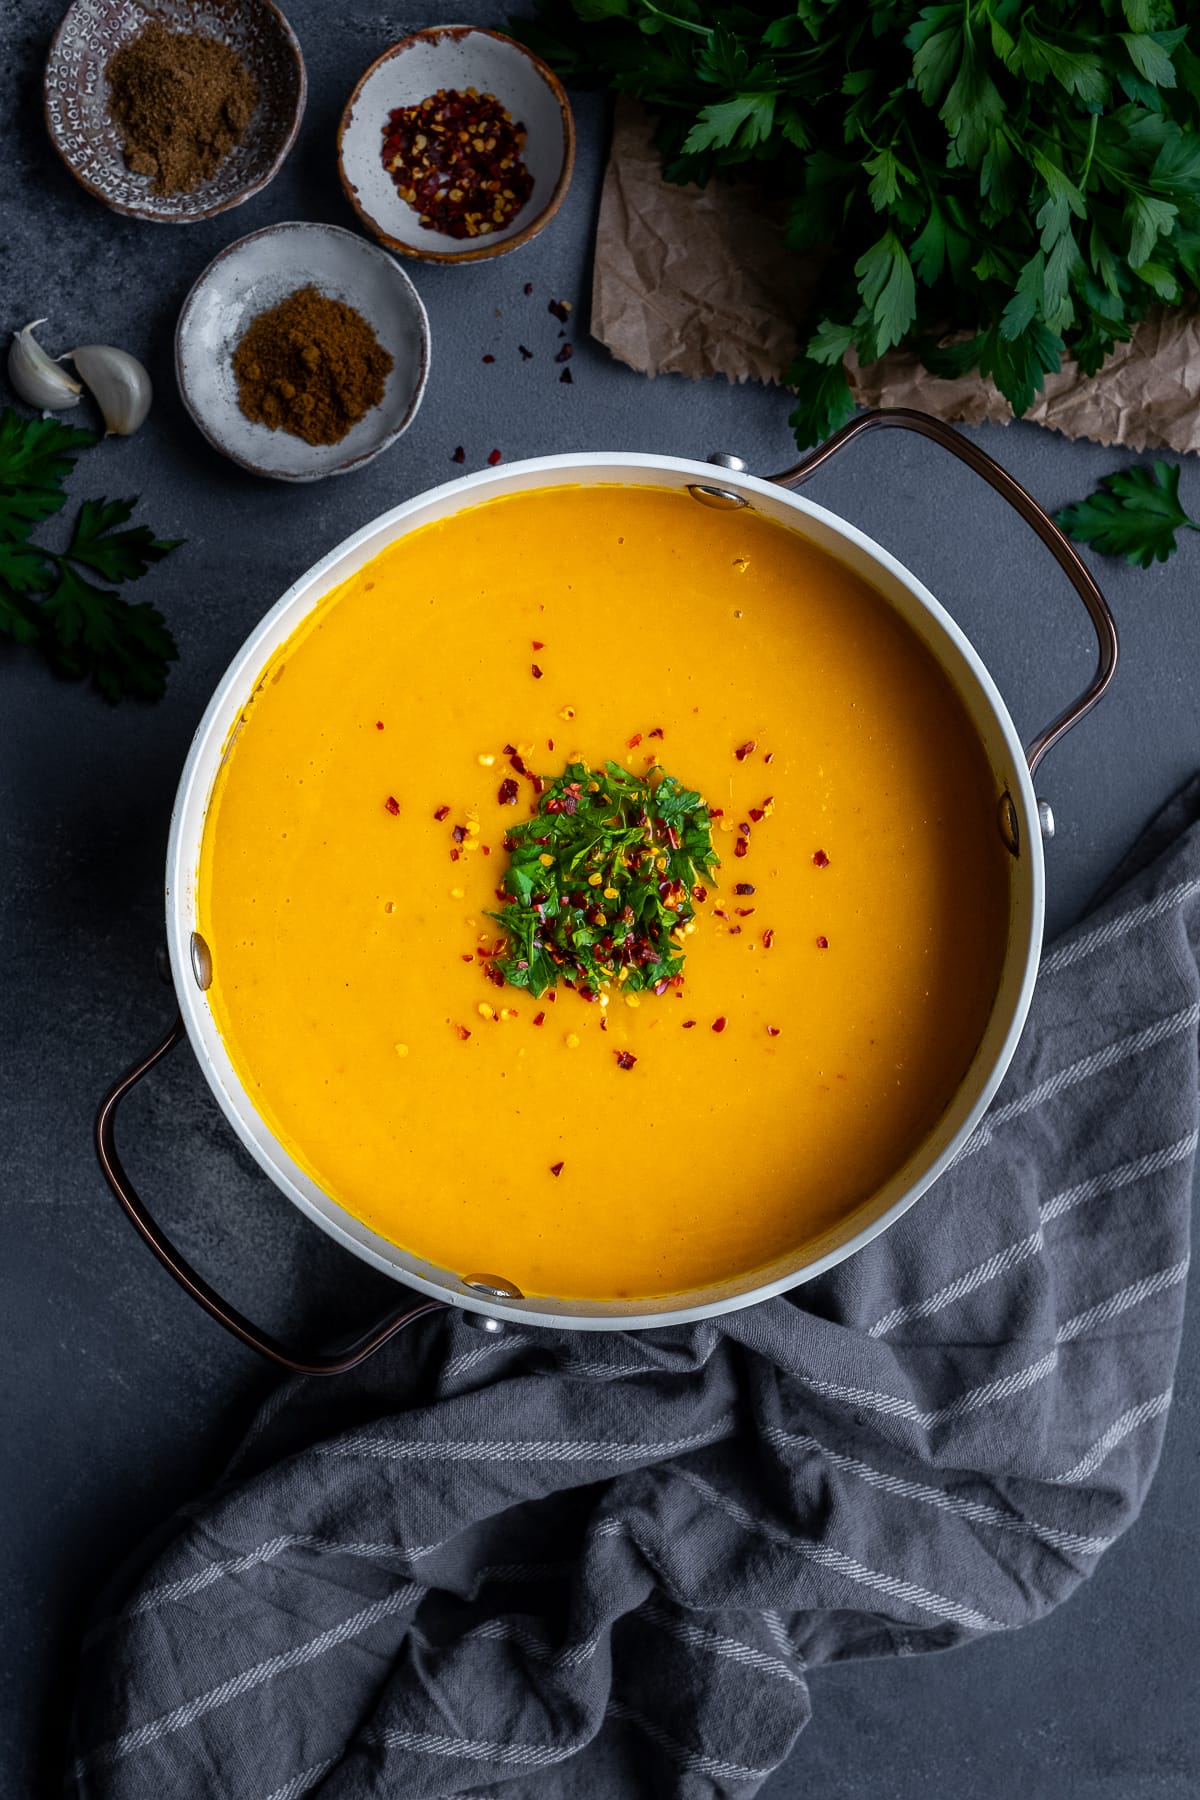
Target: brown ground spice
{"x": 182, "y": 102}
{"x": 311, "y": 366}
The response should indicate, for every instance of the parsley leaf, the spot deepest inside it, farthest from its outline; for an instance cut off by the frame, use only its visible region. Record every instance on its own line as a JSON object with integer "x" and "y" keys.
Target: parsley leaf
{"x": 47, "y": 601}
{"x": 600, "y": 881}
{"x": 1135, "y": 513}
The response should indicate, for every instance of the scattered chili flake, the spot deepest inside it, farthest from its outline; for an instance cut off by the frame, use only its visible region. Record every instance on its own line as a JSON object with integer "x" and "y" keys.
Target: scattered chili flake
{"x": 741, "y": 847}
{"x": 744, "y": 887}
{"x": 489, "y": 359}
{"x": 820, "y": 860}
{"x": 625, "y": 1058}
{"x": 657, "y": 732}
{"x": 557, "y": 1168}
{"x": 379, "y": 724}
{"x": 757, "y": 814}
{"x": 633, "y": 742}
{"x": 507, "y": 795}
{"x": 463, "y": 1033}
{"x": 539, "y": 1018}
{"x": 468, "y": 956}
{"x": 743, "y": 750}
{"x": 822, "y": 943}
{"x": 743, "y": 912}
{"x": 567, "y": 377}
{"x": 769, "y": 757}
{"x": 456, "y": 159}
{"x": 538, "y": 643}
{"x": 495, "y": 974}
{"x": 493, "y": 457}
{"x": 772, "y": 1030}
{"x": 526, "y": 355}
{"x": 561, "y": 310}
{"x": 700, "y": 894}
{"x": 769, "y": 938}
{"x": 459, "y": 833}
{"x": 535, "y": 671}
{"x": 529, "y": 287}
{"x": 565, "y": 354}
{"x": 392, "y": 804}
{"x": 689, "y": 1024}
{"x": 744, "y": 829}
{"x": 459, "y": 455}
{"x": 443, "y": 812}
{"x": 735, "y": 931}
{"x": 716, "y": 812}
{"x": 720, "y": 1024}
{"x": 549, "y": 743}
{"x": 486, "y": 848}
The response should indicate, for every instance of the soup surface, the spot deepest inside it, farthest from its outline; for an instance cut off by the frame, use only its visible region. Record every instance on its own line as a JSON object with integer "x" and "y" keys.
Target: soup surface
{"x": 355, "y": 842}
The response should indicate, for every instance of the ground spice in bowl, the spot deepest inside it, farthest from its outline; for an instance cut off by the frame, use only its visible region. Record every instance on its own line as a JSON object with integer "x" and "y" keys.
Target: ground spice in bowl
{"x": 182, "y": 102}
{"x": 310, "y": 366}
{"x": 456, "y": 159}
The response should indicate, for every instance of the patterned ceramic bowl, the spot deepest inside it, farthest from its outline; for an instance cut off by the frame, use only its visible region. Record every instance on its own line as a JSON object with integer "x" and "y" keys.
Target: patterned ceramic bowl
{"x": 76, "y": 100}
{"x": 456, "y": 57}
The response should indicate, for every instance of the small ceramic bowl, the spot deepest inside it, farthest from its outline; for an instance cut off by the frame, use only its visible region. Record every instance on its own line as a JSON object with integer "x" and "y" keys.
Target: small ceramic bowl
{"x": 256, "y": 273}
{"x": 88, "y": 141}
{"x": 455, "y": 57}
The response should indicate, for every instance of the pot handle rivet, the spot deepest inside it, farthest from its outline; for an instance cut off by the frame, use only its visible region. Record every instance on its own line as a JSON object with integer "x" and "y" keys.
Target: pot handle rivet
{"x": 1046, "y": 818}
{"x": 724, "y": 499}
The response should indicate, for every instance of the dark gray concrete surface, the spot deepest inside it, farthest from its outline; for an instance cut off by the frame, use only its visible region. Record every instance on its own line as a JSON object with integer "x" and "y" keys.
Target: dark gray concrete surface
{"x": 119, "y": 1399}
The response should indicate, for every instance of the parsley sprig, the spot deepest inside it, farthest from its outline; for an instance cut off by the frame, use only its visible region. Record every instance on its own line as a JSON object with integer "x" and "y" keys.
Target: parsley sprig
{"x": 600, "y": 881}
{"x": 993, "y": 184}
{"x": 49, "y": 600}
{"x": 1134, "y": 513}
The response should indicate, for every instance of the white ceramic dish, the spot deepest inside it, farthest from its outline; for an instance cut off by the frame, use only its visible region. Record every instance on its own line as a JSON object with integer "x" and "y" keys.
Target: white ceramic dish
{"x": 256, "y": 273}
{"x": 455, "y": 57}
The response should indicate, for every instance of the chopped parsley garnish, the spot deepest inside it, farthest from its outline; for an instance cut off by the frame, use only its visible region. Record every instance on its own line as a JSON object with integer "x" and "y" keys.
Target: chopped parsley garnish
{"x": 602, "y": 881}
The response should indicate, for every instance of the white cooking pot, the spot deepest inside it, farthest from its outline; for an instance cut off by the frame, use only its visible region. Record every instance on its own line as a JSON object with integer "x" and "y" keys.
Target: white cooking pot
{"x": 1020, "y": 820}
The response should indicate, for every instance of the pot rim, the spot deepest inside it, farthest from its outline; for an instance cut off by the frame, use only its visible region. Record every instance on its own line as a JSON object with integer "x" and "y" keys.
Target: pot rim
{"x": 183, "y": 846}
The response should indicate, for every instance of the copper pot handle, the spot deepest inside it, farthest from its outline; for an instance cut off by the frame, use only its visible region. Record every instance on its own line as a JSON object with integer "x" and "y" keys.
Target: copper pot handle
{"x": 194, "y": 1284}
{"x": 908, "y": 419}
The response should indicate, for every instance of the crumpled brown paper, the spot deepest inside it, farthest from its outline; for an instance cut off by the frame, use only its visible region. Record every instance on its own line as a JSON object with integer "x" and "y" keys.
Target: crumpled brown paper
{"x": 698, "y": 281}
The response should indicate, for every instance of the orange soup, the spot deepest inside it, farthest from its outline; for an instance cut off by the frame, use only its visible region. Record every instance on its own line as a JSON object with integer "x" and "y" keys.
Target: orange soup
{"x": 839, "y": 971}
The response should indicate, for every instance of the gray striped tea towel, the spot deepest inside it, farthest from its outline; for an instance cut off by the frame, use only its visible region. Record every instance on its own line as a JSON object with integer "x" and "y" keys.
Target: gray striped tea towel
{"x": 551, "y": 1565}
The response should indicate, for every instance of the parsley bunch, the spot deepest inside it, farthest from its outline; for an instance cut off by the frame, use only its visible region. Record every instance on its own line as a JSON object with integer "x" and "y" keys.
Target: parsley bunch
{"x": 600, "y": 881}
{"x": 994, "y": 186}
{"x": 49, "y": 600}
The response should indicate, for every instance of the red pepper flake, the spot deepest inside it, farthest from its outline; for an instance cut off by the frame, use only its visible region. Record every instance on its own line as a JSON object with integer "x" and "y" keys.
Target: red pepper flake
{"x": 507, "y": 795}
{"x": 459, "y": 833}
{"x": 493, "y": 457}
{"x": 486, "y": 848}
{"x": 457, "y": 159}
{"x": 689, "y": 1024}
{"x": 716, "y": 812}
{"x": 443, "y": 812}
{"x": 757, "y": 814}
{"x": 822, "y": 943}
{"x": 379, "y": 724}
{"x": 735, "y": 931}
{"x": 769, "y": 938}
{"x": 744, "y": 829}
{"x": 772, "y": 1030}
{"x": 604, "y": 1022}
{"x": 489, "y": 359}
{"x": 744, "y": 750}
{"x": 743, "y": 912}
{"x": 820, "y": 860}
{"x": 557, "y": 1168}
{"x": 454, "y": 855}
{"x": 539, "y": 1018}
{"x": 720, "y": 1024}
{"x": 565, "y": 354}
{"x": 549, "y": 743}
{"x": 494, "y": 974}
{"x": 718, "y": 913}
{"x": 633, "y": 742}
{"x": 392, "y": 804}
{"x": 535, "y": 671}
{"x": 538, "y": 644}
{"x": 561, "y": 310}
{"x": 526, "y": 355}
{"x": 529, "y": 287}
{"x": 567, "y": 377}
{"x": 468, "y": 957}
{"x": 625, "y": 1058}
{"x": 699, "y": 894}
{"x": 657, "y": 732}
{"x": 459, "y": 455}
{"x": 744, "y": 887}
{"x": 741, "y": 847}
{"x": 769, "y": 757}
{"x": 463, "y": 1033}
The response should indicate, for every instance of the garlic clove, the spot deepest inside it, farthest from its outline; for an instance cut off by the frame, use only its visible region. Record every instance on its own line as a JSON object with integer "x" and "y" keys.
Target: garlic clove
{"x": 37, "y": 377}
{"x": 118, "y": 382}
